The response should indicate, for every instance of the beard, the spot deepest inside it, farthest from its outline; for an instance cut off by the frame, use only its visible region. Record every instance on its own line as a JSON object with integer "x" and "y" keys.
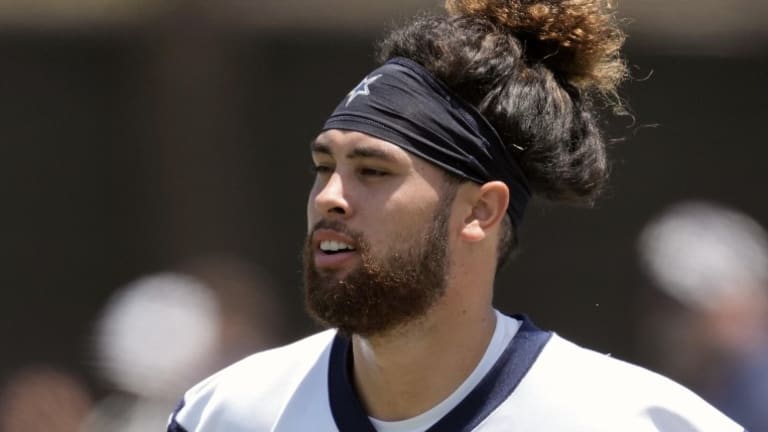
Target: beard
{"x": 380, "y": 294}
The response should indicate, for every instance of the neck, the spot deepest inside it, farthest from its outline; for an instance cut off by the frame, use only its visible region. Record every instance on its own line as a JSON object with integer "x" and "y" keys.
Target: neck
{"x": 405, "y": 373}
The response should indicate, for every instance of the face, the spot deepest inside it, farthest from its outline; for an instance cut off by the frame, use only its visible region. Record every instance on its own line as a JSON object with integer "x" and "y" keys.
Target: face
{"x": 375, "y": 255}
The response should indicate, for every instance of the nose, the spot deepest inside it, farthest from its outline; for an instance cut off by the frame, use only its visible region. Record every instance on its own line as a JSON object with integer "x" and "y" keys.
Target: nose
{"x": 331, "y": 197}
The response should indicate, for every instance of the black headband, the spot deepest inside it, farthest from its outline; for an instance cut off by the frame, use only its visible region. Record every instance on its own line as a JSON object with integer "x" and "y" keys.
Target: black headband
{"x": 401, "y": 102}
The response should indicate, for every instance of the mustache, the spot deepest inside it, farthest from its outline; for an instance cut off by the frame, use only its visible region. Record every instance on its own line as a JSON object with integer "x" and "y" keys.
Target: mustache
{"x": 338, "y": 226}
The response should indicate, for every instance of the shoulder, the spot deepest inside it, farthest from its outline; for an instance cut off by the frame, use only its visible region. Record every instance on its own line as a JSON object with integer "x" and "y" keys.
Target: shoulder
{"x": 608, "y": 393}
{"x": 253, "y": 390}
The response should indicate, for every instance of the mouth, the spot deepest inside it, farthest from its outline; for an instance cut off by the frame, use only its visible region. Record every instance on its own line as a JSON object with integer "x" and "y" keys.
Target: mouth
{"x": 333, "y": 249}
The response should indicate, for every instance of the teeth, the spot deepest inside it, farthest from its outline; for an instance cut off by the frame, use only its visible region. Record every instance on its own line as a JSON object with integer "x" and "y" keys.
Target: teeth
{"x": 333, "y": 246}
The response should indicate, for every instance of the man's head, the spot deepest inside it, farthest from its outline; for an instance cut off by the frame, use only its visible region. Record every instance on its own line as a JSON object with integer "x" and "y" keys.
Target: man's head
{"x": 491, "y": 96}
{"x": 385, "y": 228}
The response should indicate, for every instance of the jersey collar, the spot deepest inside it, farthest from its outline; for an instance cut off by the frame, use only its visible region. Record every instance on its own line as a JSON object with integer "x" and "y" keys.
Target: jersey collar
{"x": 493, "y": 389}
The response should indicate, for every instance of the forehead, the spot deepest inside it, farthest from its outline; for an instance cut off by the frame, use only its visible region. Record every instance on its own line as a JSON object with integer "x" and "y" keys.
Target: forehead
{"x": 339, "y": 144}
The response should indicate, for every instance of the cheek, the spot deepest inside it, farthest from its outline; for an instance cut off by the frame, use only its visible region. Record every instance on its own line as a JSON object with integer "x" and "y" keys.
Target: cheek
{"x": 311, "y": 212}
{"x": 404, "y": 223}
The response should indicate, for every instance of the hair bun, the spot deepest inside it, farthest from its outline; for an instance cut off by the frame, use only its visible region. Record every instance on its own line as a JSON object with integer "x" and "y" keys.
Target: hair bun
{"x": 578, "y": 40}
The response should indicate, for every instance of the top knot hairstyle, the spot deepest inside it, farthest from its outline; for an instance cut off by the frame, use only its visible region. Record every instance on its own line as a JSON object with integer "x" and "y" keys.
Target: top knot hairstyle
{"x": 577, "y": 39}
{"x": 533, "y": 69}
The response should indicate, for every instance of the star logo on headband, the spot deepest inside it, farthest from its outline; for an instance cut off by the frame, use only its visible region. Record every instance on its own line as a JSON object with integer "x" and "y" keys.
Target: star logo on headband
{"x": 361, "y": 89}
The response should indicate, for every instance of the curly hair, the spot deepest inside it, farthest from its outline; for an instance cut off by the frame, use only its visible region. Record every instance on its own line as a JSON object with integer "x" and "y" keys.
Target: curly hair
{"x": 533, "y": 69}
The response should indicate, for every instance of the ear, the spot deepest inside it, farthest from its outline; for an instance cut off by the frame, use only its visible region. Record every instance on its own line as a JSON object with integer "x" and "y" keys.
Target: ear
{"x": 489, "y": 205}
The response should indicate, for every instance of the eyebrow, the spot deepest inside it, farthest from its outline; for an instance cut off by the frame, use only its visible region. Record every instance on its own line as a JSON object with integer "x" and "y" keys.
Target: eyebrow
{"x": 357, "y": 152}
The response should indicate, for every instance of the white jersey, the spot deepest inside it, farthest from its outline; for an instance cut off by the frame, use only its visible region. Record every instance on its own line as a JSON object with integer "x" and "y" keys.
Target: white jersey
{"x": 540, "y": 383}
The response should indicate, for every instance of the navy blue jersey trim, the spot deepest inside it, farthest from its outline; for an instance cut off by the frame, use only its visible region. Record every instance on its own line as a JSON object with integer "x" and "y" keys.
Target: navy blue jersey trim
{"x": 493, "y": 389}
{"x": 500, "y": 382}
{"x": 346, "y": 408}
{"x": 173, "y": 425}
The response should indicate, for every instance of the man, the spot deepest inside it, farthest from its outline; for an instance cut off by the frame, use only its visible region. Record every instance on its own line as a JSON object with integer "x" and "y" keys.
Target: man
{"x": 709, "y": 262}
{"x": 423, "y": 174}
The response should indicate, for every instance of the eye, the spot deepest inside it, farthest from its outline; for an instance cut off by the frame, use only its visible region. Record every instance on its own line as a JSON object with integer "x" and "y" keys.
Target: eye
{"x": 321, "y": 169}
{"x": 373, "y": 172}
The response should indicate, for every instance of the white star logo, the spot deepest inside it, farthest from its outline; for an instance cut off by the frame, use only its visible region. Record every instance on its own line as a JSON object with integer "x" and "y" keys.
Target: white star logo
{"x": 361, "y": 89}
